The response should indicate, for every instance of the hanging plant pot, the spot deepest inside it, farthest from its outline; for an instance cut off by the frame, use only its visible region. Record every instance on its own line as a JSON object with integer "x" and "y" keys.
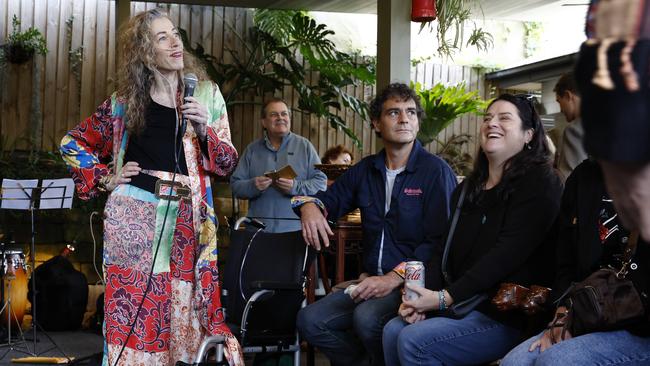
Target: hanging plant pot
{"x": 17, "y": 54}
{"x": 423, "y": 10}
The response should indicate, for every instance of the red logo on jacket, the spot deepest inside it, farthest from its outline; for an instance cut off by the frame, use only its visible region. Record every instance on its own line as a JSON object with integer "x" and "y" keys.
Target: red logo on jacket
{"x": 412, "y": 191}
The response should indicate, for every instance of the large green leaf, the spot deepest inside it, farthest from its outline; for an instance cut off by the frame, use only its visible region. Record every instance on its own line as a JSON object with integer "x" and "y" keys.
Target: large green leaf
{"x": 276, "y": 50}
{"x": 442, "y": 105}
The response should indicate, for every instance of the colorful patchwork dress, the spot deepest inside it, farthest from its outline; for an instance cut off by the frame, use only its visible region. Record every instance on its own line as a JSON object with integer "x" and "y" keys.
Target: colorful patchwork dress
{"x": 183, "y": 304}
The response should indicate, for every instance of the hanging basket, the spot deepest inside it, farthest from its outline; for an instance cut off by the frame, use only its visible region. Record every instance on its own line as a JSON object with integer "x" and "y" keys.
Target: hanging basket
{"x": 423, "y": 10}
{"x": 17, "y": 54}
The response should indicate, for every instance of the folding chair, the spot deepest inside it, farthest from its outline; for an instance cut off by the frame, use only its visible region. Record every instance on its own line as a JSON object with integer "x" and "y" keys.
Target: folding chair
{"x": 263, "y": 289}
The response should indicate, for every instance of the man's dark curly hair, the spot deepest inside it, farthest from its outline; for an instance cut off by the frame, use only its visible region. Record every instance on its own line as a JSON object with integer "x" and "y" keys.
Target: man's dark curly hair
{"x": 395, "y": 90}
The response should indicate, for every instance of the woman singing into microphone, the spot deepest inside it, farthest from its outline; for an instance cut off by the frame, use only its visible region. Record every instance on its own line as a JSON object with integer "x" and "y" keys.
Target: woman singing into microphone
{"x": 160, "y": 244}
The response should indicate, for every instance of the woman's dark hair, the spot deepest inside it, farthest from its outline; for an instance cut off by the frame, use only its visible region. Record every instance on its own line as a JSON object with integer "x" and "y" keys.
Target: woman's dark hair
{"x": 536, "y": 152}
{"x": 334, "y": 152}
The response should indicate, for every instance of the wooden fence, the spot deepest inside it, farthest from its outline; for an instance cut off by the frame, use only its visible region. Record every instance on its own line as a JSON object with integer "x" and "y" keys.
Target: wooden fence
{"x": 42, "y": 99}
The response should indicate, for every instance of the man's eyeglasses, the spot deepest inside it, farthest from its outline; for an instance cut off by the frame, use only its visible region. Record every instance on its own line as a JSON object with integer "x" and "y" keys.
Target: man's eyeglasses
{"x": 283, "y": 114}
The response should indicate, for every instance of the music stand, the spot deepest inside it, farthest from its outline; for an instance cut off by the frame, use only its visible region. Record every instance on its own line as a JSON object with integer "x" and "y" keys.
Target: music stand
{"x": 24, "y": 195}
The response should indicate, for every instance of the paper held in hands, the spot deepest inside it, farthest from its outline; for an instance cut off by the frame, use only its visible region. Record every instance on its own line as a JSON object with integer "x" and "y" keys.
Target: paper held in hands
{"x": 285, "y": 172}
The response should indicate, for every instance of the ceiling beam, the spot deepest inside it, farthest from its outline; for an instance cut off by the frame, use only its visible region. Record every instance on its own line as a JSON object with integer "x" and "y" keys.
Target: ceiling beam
{"x": 338, "y": 6}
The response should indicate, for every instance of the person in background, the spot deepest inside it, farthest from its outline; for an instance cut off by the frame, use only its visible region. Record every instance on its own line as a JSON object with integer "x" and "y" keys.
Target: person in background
{"x": 338, "y": 155}
{"x": 613, "y": 77}
{"x": 160, "y": 245}
{"x": 511, "y": 201}
{"x": 590, "y": 237}
{"x": 270, "y": 200}
{"x": 571, "y": 151}
{"x": 403, "y": 194}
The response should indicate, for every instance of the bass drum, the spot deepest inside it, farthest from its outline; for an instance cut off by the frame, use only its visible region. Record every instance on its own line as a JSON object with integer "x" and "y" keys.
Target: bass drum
{"x": 14, "y": 289}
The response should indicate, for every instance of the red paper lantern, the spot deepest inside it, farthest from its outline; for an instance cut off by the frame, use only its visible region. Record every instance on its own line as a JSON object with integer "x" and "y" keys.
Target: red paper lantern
{"x": 423, "y": 10}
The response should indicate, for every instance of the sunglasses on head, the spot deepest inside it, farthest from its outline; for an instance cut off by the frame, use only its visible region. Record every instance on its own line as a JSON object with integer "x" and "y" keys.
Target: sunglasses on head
{"x": 531, "y": 100}
{"x": 527, "y": 97}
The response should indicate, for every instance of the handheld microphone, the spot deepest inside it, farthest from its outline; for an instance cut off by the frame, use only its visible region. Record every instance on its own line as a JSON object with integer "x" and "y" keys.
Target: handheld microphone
{"x": 189, "y": 80}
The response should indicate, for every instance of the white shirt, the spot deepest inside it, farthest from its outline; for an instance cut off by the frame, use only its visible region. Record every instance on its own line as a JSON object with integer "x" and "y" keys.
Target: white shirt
{"x": 390, "y": 182}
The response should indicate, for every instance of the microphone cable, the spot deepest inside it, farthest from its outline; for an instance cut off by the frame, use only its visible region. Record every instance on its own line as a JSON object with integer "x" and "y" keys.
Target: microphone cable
{"x": 162, "y": 230}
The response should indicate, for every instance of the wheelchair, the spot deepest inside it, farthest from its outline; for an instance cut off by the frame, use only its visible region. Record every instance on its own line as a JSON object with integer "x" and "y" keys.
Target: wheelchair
{"x": 263, "y": 289}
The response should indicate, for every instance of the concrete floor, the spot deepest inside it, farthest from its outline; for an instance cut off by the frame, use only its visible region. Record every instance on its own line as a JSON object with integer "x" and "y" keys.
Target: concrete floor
{"x": 79, "y": 345}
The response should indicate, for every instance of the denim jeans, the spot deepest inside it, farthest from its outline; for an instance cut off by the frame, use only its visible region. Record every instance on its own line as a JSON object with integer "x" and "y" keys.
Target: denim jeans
{"x": 603, "y": 348}
{"x": 474, "y": 339}
{"x": 348, "y": 333}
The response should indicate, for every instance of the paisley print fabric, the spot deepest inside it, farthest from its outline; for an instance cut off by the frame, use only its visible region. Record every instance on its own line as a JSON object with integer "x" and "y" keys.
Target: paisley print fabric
{"x": 129, "y": 227}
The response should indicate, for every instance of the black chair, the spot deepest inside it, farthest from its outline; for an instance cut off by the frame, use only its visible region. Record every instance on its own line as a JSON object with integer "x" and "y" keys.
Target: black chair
{"x": 263, "y": 288}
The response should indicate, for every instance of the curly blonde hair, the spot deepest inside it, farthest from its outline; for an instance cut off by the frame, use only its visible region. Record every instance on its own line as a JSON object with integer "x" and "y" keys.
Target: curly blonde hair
{"x": 137, "y": 66}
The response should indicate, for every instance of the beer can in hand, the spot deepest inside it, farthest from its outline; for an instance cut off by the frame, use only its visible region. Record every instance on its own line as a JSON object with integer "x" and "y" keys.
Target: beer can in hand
{"x": 413, "y": 274}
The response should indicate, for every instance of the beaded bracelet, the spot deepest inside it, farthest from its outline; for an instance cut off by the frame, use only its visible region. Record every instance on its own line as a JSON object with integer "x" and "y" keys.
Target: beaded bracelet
{"x": 442, "y": 304}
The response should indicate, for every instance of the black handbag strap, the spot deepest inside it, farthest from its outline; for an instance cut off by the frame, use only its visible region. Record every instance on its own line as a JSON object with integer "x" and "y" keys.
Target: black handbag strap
{"x": 450, "y": 234}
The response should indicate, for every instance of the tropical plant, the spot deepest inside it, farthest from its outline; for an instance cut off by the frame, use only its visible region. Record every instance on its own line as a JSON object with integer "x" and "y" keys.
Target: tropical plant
{"x": 21, "y": 46}
{"x": 451, "y": 150}
{"x": 442, "y": 105}
{"x": 275, "y": 48}
{"x": 452, "y": 15}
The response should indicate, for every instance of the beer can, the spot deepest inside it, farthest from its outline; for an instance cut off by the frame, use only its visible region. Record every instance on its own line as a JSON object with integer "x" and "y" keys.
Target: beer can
{"x": 413, "y": 274}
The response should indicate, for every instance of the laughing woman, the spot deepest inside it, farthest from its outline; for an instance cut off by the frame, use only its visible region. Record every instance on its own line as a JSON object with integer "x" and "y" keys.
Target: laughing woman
{"x": 511, "y": 200}
{"x": 160, "y": 255}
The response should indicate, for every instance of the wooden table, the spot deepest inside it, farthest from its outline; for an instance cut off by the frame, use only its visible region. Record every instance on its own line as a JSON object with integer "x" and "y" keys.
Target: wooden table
{"x": 344, "y": 233}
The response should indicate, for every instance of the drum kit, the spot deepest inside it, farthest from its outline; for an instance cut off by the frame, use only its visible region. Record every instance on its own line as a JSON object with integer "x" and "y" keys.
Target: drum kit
{"x": 30, "y": 195}
{"x": 14, "y": 288}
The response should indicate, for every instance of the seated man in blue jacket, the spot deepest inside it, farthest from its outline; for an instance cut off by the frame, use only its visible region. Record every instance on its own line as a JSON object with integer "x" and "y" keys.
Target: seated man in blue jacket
{"x": 403, "y": 193}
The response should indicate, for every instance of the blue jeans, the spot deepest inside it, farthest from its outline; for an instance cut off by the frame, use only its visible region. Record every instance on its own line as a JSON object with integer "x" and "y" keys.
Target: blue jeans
{"x": 603, "y": 348}
{"x": 474, "y": 339}
{"x": 348, "y": 332}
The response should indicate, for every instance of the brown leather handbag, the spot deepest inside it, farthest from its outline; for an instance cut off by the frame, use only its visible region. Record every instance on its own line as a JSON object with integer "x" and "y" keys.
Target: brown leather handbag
{"x": 512, "y": 297}
{"x": 605, "y": 300}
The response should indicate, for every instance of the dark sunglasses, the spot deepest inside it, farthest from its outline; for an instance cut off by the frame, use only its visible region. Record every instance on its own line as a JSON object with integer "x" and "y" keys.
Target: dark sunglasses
{"x": 530, "y": 100}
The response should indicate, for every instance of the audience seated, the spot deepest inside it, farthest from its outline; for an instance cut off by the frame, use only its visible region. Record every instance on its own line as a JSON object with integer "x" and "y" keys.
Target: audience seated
{"x": 512, "y": 198}
{"x": 338, "y": 155}
{"x": 403, "y": 193}
{"x": 590, "y": 237}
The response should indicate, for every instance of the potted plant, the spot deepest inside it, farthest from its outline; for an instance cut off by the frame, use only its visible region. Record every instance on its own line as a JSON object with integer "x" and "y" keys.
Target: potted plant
{"x": 21, "y": 46}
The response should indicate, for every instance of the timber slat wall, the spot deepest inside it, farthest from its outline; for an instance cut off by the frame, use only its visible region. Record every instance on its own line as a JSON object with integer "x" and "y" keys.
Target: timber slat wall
{"x": 65, "y": 97}
{"x": 429, "y": 74}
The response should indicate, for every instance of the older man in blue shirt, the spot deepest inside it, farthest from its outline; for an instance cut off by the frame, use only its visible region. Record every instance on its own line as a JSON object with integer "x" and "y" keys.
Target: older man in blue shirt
{"x": 269, "y": 199}
{"x": 403, "y": 193}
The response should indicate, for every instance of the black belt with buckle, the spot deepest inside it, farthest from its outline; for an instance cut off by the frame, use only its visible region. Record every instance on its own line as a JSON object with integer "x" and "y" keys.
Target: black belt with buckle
{"x": 173, "y": 191}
